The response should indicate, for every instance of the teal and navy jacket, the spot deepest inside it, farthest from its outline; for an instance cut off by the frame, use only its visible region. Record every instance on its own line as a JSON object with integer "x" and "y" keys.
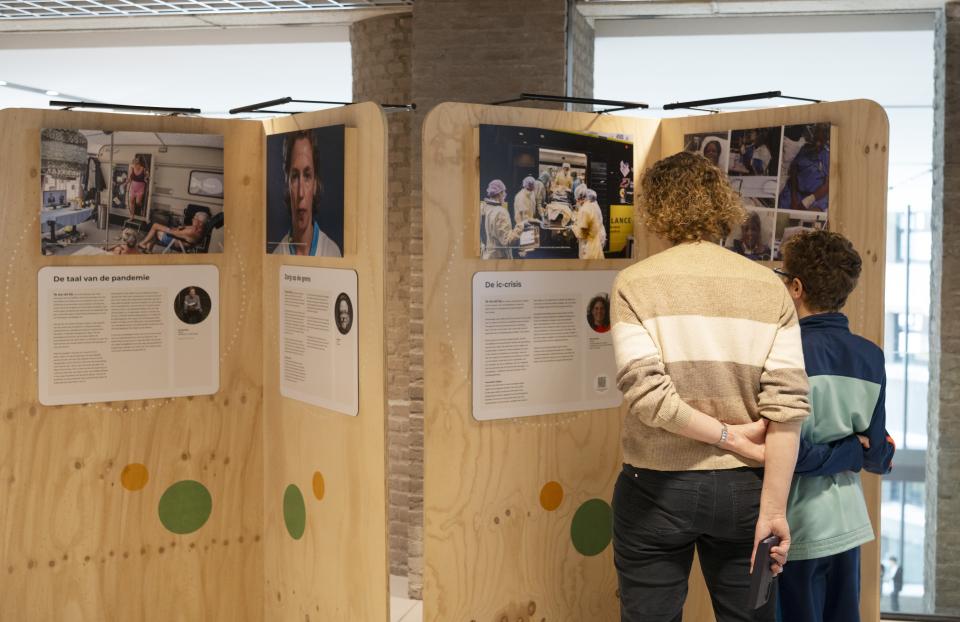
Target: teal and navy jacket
{"x": 827, "y": 512}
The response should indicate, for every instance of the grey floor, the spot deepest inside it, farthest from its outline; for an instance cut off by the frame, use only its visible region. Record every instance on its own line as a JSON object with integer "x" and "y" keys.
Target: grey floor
{"x": 94, "y": 237}
{"x": 403, "y": 609}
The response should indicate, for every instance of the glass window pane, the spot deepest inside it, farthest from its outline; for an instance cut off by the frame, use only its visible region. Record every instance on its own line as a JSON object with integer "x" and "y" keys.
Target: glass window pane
{"x": 859, "y": 64}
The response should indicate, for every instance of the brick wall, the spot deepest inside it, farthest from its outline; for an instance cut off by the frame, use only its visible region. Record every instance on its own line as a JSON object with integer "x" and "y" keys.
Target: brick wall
{"x": 381, "y": 72}
{"x": 581, "y": 53}
{"x": 942, "y": 566}
{"x": 452, "y": 50}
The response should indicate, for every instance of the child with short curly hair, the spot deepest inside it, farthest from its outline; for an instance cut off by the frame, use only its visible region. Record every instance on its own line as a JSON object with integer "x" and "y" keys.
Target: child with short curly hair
{"x": 844, "y": 434}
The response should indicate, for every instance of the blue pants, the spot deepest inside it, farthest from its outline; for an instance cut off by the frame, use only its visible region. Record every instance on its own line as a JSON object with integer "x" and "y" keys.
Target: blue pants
{"x": 826, "y": 589}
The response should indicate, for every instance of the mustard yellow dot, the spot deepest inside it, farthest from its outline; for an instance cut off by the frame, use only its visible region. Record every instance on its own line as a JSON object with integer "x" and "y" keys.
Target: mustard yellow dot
{"x": 134, "y": 476}
{"x": 318, "y": 486}
{"x": 551, "y": 496}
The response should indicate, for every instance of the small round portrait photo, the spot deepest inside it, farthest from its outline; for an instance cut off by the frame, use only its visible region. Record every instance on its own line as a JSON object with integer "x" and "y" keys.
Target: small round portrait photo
{"x": 192, "y": 305}
{"x": 343, "y": 314}
{"x": 598, "y": 313}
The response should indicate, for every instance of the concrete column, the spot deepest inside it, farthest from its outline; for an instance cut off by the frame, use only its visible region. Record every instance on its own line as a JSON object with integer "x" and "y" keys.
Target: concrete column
{"x": 452, "y": 50}
{"x": 381, "y": 49}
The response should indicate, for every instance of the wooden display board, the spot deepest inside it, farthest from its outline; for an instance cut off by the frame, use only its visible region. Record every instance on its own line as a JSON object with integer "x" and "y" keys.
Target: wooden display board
{"x": 82, "y": 487}
{"x": 338, "y": 569}
{"x": 76, "y": 543}
{"x": 858, "y": 210}
{"x": 493, "y": 549}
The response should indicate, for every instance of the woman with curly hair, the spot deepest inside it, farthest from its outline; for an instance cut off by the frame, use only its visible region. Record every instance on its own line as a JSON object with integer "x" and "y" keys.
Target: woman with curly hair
{"x": 710, "y": 363}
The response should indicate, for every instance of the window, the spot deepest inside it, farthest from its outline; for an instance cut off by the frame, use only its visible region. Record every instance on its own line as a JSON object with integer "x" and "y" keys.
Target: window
{"x": 887, "y": 58}
{"x": 168, "y": 67}
{"x": 913, "y": 233}
{"x": 206, "y": 184}
{"x": 910, "y": 334}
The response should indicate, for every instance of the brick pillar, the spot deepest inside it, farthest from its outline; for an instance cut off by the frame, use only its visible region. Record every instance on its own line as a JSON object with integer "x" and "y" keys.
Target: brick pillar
{"x": 452, "y": 50}
{"x": 942, "y": 566}
{"x": 381, "y": 73}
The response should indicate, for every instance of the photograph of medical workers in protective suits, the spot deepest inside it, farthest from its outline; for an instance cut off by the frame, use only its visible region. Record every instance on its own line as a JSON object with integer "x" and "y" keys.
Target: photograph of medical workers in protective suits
{"x": 546, "y": 194}
{"x": 754, "y": 164}
{"x": 305, "y": 192}
{"x": 714, "y": 146}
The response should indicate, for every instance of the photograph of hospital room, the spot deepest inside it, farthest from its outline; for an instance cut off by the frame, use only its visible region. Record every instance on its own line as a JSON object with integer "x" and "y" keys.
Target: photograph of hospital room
{"x": 754, "y": 163}
{"x": 546, "y": 194}
{"x": 783, "y": 177}
{"x": 130, "y": 193}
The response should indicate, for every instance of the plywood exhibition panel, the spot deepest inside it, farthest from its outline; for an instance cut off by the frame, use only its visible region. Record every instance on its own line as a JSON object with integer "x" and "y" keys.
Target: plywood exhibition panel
{"x": 858, "y": 203}
{"x": 501, "y": 497}
{"x": 325, "y": 491}
{"x": 146, "y": 509}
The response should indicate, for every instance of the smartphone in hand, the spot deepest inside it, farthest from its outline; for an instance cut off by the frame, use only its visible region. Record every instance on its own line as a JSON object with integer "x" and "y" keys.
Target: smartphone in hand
{"x": 761, "y": 579}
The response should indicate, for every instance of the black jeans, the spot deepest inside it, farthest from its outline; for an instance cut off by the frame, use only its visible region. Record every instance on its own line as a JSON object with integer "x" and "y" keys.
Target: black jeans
{"x": 658, "y": 519}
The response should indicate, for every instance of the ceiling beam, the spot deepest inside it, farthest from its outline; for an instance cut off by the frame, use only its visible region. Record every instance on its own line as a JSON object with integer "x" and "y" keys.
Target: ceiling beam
{"x": 613, "y": 9}
{"x": 208, "y": 20}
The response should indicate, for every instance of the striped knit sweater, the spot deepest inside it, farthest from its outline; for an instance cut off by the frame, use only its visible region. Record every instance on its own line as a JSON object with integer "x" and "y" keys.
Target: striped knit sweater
{"x": 698, "y": 327}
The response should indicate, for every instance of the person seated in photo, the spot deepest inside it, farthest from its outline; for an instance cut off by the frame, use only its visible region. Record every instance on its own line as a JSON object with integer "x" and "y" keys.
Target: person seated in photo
{"x": 845, "y": 433}
{"x": 301, "y": 158}
{"x": 754, "y": 156}
{"x": 161, "y": 234}
{"x": 750, "y": 244}
{"x": 808, "y": 178}
{"x": 192, "y": 307}
{"x": 127, "y": 245}
{"x": 709, "y": 361}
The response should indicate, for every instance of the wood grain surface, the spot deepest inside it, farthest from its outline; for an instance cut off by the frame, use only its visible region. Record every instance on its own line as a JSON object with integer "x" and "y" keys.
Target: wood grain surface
{"x": 492, "y": 552}
{"x": 338, "y": 570}
{"x": 76, "y": 545}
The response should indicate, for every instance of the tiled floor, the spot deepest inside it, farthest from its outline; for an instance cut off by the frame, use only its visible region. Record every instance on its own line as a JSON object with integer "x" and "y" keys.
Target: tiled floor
{"x": 403, "y": 609}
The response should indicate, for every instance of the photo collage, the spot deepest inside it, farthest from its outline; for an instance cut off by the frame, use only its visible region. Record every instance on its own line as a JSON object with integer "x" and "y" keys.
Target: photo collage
{"x": 783, "y": 176}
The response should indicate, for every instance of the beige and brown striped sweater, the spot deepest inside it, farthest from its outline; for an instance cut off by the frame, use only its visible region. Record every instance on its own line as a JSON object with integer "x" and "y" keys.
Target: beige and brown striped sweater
{"x": 698, "y": 327}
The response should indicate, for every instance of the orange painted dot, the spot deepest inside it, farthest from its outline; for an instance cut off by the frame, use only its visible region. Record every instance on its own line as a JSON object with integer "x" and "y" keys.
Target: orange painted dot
{"x": 551, "y": 496}
{"x": 318, "y": 486}
{"x": 134, "y": 476}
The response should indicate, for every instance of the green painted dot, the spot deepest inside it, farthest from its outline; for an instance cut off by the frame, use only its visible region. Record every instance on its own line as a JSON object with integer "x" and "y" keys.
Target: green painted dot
{"x": 294, "y": 512}
{"x": 592, "y": 527}
{"x": 185, "y": 506}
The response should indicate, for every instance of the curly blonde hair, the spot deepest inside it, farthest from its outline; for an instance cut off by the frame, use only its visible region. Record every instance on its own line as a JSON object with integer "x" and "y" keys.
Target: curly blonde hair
{"x": 686, "y": 198}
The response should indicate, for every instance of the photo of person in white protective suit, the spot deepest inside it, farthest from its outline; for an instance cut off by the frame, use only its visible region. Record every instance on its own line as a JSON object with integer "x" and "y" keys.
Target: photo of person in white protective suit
{"x": 541, "y": 189}
{"x": 525, "y": 202}
{"x": 588, "y": 227}
{"x": 498, "y": 234}
{"x": 564, "y": 180}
